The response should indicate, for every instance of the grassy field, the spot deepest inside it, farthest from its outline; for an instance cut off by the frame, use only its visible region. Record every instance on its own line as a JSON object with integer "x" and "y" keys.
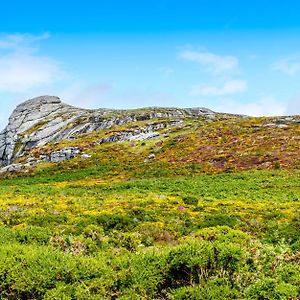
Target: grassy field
{"x": 214, "y": 215}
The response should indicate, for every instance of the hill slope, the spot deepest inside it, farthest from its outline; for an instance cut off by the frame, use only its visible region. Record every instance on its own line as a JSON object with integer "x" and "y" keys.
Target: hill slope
{"x": 46, "y": 119}
{"x": 187, "y": 204}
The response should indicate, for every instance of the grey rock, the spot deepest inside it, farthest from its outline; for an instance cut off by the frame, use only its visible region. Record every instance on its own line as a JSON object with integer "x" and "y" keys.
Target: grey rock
{"x": 33, "y": 123}
{"x": 61, "y": 155}
{"x": 288, "y": 120}
{"x": 275, "y": 125}
{"x": 144, "y": 136}
{"x": 30, "y": 159}
{"x": 140, "y": 134}
{"x": 269, "y": 125}
{"x": 56, "y": 156}
{"x": 151, "y": 156}
{"x": 44, "y": 157}
{"x": 46, "y": 119}
{"x": 12, "y": 168}
{"x": 282, "y": 126}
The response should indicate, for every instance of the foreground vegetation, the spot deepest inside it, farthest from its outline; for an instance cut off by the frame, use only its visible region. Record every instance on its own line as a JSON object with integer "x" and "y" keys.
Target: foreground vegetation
{"x": 197, "y": 221}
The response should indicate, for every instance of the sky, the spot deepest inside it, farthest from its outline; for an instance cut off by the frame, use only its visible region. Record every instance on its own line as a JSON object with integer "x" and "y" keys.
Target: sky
{"x": 229, "y": 56}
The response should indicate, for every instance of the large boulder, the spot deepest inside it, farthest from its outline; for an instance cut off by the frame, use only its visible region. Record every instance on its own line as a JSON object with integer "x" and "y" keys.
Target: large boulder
{"x": 34, "y": 123}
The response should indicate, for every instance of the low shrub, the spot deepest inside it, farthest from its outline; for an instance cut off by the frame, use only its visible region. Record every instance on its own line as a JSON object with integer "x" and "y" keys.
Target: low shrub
{"x": 270, "y": 289}
{"x": 212, "y": 290}
{"x": 218, "y": 219}
{"x": 190, "y": 200}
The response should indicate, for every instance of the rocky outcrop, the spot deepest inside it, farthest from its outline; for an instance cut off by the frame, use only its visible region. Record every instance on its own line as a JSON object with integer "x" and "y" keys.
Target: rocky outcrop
{"x": 61, "y": 155}
{"x": 34, "y": 123}
{"x": 55, "y": 157}
{"x": 46, "y": 119}
{"x": 139, "y": 134}
{"x": 279, "y": 122}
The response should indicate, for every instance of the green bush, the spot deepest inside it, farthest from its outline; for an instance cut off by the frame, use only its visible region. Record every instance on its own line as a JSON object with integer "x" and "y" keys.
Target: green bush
{"x": 115, "y": 221}
{"x": 219, "y": 220}
{"x": 289, "y": 232}
{"x": 229, "y": 256}
{"x": 142, "y": 275}
{"x": 127, "y": 240}
{"x": 212, "y": 290}
{"x": 223, "y": 234}
{"x": 289, "y": 273}
{"x": 62, "y": 291}
{"x": 190, "y": 263}
{"x": 270, "y": 289}
{"x": 29, "y": 272}
{"x": 296, "y": 245}
{"x": 33, "y": 234}
{"x": 27, "y": 235}
{"x": 195, "y": 261}
{"x": 47, "y": 219}
{"x": 190, "y": 200}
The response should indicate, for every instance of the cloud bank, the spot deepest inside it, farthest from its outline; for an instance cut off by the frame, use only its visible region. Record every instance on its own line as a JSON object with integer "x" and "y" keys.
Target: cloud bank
{"x": 289, "y": 66}
{"x": 228, "y": 88}
{"x": 22, "y": 67}
{"x": 214, "y": 63}
{"x": 266, "y": 106}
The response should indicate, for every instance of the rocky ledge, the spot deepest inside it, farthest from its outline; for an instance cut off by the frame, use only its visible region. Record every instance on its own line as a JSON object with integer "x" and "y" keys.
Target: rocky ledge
{"x": 46, "y": 119}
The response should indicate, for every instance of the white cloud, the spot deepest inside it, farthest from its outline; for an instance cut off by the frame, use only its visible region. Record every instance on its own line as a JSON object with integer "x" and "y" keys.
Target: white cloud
{"x": 266, "y": 106}
{"x": 14, "y": 41}
{"x": 228, "y": 88}
{"x": 166, "y": 71}
{"x": 22, "y": 67}
{"x": 293, "y": 107}
{"x": 289, "y": 66}
{"x": 21, "y": 72}
{"x": 214, "y": 63}
{"x": 87, "y": 95}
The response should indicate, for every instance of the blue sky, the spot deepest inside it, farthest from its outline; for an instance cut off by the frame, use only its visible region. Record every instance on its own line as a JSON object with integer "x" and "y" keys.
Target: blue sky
{"x": 233, "y": 56}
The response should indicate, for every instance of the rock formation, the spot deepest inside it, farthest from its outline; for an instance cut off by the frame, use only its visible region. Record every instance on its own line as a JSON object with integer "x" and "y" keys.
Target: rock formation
{"x": 45, "y": 119}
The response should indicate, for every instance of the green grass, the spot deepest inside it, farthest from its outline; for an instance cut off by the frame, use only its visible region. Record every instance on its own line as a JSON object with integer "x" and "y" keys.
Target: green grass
{"x": 116, "y": 227}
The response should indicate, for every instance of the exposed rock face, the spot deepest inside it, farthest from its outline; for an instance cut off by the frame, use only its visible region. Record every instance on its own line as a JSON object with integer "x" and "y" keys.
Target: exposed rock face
{"x": 61, "y": 155}
{"x": 45, "y": 119}
{"x": 34, "y": 123}
{"x": 12, "y": 168}
{"x": 140, "y": 134}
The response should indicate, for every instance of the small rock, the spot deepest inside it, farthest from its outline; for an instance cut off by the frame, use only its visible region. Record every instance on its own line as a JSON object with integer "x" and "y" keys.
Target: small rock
{"x": 266, "y": 164}
{"x": 269, "y": 125}
{"x": 12, "y": 168}
{"x": 30, "y": 159}
{"x": 282, "y": 126}
{"x": 151, "y": 156}
{"x": 64, "y": 154}
{"x": 44, "y": 157}
{"x": 144, "y": 136}
{"x": 61, "y": 155}
{"x": 85, "y": 155}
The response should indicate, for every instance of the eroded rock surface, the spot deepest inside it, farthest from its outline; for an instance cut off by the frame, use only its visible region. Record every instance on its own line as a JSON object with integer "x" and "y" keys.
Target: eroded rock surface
{"x": 34, "y": 123}
{"x": 61, "y": 155}
{"x": 45, "y": 119}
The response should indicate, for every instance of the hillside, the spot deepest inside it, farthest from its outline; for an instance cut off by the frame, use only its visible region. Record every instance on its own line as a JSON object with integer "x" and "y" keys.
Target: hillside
{"x": 45, "y": 119}
{"x": 153, "y": 203}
